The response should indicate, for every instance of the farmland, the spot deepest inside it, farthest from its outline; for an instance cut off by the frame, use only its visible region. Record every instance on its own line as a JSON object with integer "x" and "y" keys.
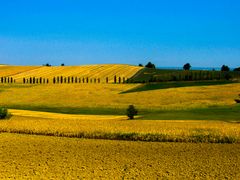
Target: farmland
{"x": 119, "y": 128}
{"x": 76, "y": 130}
{"x": 88, "y": 71}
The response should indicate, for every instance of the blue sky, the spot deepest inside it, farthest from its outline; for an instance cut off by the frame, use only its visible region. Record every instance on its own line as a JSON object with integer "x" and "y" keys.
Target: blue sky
{"x": 205, "y": 33}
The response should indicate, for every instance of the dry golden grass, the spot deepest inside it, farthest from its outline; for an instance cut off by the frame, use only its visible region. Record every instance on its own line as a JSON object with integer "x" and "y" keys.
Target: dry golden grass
{"x": 118, "y": 127}
{"x": 41, "y": 157}
{"x": 90, "y": 71}
{"x": 108, "y": 95}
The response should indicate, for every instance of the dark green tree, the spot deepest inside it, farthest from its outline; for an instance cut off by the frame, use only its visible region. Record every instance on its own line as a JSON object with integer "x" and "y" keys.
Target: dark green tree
{"x": 237, "y": 69}
{"x": 186, "y": 66}
{"x": 225, "y": 68}
{"x": 131, "y": 111}
{"x": 150, "y": 65}
{"x": 3, "y": 113}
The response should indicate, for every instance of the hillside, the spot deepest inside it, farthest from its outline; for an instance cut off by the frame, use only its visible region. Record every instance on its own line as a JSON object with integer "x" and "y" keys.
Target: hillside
{"x": 90, "y": 71}
{"x": 164, "y": 75}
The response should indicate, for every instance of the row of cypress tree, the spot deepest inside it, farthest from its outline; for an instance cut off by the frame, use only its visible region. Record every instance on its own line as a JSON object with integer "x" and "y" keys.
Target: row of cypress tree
{"x": 7, "y": 80}
{"x": 68, "y": 80}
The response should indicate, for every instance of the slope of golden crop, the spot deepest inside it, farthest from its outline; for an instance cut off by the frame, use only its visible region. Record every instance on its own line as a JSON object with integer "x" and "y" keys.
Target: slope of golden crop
{"x": 15, "y": 70}
{"x": 41, "y": 157}
{"x": 112, "y": 127}
{"x": 90, "y": 71}
{"x": 108, "y": 95}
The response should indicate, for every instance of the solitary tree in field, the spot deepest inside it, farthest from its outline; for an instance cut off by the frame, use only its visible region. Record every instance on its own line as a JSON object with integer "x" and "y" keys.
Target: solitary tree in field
{"x": 131, "y": 111}
{"x": 187, "y": 66}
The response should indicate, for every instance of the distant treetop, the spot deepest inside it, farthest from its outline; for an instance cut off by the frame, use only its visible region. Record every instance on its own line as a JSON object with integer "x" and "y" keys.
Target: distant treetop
{"x": 187, "y": 66}
{"x": 47, "y": 64}
{"x": 225, "y": 68}
{"x": 150, "y": 65}
{"x": 237, "y": 69}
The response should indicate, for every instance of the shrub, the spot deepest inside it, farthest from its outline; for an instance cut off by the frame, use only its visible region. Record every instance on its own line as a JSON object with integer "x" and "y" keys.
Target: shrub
{"x": 3, "y": 113}
{"x": 131, "y": 111}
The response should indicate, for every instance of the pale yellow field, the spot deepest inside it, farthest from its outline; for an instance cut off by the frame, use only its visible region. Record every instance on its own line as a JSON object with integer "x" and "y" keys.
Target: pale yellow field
{"x": 108, "y": 95}
{"x": 41, "y": 157}
{"x": 90, "y": 71}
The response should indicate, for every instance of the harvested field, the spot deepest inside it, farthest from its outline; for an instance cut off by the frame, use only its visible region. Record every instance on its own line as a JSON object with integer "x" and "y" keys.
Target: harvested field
{"x": 40, "y": 157}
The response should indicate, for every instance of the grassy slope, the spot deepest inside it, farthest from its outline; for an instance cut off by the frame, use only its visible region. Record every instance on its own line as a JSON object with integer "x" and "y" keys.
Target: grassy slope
{"x": 201, "y": 102}
{"x": 146, "y": 74}
{"x": 167, "y": 85}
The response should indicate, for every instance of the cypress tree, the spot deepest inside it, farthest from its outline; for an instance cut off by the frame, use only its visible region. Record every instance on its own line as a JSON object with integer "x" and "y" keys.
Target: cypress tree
{"x": 76, "y": 80}
{"x": 54, "y": 80}
{"x": 30, "y": 80}
{"x": 115, "y": 79}
{"x": 83, "y": 79}
{"x": 87, "y": 80}
{"x": 40, "y": 80}
{"x": 106, "y": 79}
{"x": 119, "y": 80}
{"x": 72, "y": 80}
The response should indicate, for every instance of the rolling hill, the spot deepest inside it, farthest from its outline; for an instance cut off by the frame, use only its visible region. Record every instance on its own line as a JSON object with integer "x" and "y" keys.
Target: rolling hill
{"x": 90, "y": 71}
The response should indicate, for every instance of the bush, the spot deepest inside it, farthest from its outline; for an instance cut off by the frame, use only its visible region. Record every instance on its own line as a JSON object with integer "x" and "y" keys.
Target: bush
{"x": 3, "y": 113}
{"x": 131, "y": 111}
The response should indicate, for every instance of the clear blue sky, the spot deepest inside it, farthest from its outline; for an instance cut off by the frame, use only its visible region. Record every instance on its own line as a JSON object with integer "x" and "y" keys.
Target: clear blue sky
{"x": 205, "y": 33}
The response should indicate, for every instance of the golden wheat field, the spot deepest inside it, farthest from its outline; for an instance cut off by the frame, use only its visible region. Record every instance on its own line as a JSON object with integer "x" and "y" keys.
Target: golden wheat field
{"x": 41, "y": 157}
{"x": 117, "y": 127}
{"x": 90, "y": 71}
{"x": 109, "y": 95}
